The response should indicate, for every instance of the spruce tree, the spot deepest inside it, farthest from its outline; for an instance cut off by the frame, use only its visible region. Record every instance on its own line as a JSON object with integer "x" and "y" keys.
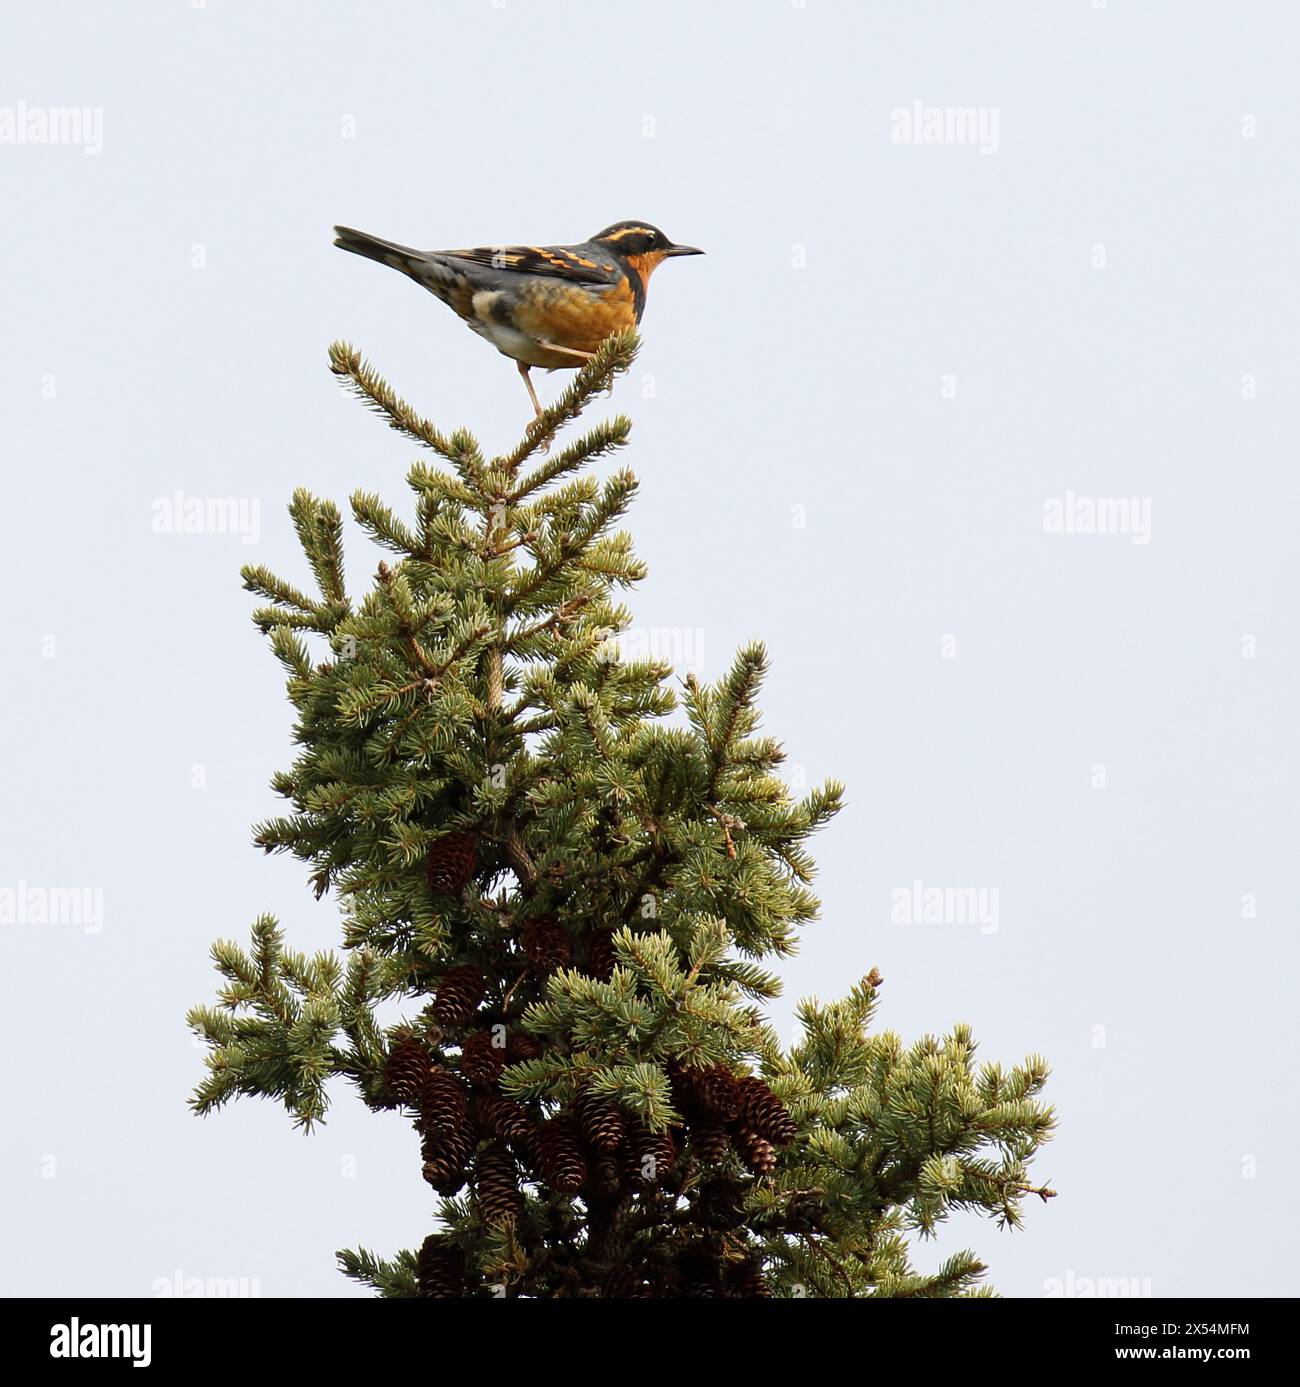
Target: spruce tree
{"x": 572, "y": 891}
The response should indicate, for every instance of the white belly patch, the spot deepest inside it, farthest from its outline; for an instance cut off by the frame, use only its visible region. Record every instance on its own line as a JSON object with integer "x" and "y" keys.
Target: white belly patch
{"x": 503, "y": 337}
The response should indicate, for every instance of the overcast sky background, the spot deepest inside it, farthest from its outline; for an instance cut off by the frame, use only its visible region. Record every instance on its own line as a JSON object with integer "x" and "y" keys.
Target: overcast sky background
{"x": 849, "y": 418}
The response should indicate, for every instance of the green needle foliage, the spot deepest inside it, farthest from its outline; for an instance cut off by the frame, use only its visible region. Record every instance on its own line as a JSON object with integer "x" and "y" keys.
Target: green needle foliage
{"x": 570, "y": 894}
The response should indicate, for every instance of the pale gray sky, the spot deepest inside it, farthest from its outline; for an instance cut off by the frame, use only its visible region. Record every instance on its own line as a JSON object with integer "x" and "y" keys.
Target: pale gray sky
{"x": 858, "y": 421}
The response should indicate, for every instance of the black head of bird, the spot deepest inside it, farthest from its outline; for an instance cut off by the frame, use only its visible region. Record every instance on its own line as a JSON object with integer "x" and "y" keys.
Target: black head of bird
{"x": 548, "y": 306}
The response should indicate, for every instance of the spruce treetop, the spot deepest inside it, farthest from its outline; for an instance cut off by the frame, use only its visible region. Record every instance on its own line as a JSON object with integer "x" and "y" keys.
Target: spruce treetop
{"x": 574, "y": 880}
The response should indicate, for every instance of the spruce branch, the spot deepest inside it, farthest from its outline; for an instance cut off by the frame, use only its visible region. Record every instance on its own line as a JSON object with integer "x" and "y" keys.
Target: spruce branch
{"x": 393, "y": 1280}
{"x": 257, "y": 578}
{"x": 605, "y": 438}
{"x": 320, "y": 531}
{"x": 382, "y": 525}
{"x": 371, "y": 388}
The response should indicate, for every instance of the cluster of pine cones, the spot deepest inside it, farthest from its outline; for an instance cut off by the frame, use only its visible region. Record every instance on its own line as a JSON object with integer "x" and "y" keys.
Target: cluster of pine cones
{"x": 473, "y": 1134}
{"x": 724, "y": 1113}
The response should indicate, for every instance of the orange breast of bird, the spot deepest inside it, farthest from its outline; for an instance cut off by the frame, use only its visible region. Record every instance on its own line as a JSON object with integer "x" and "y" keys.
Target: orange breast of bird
{"x": 575, "y": 316}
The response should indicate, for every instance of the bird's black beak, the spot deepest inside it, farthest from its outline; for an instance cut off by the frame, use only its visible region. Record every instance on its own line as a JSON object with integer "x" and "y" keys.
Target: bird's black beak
{"x": 683, "y": 250}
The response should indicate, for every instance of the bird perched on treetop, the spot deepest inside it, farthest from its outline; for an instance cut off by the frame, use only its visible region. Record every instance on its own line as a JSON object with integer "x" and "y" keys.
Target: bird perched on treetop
{"x": 548, "y": 306}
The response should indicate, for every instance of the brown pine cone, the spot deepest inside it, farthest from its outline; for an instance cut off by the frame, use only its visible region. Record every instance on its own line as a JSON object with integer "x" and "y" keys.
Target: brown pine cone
{"x": 501, "y": 1116}
{"x": 710, "y": 1141}
{"x": 712, "y": 1092}
{"x": 564, "y": 1165}
{"x": 717, "y": 1091}
{"x": 445, "y": 1173}
{"x": 443, "y": 1102}
{"x": 482, "y": 1059}
{"x": 440, "y": 1269}
{"x": 757, "y": 1152}
{"x": 651, "y": 1157}
{"x": 446, "y": 1153}
{"x": 598, "y": 957}
{"x": 547, "y": 943}
{"x": 527, "y": 1146}
{"x": 745, "y": 1280}
{"x": 405, "y": 1072}
{"x": 522, "y": 1046}
{"x": 601, "y": 1121}
{"x": 458, "y": 996}
{"x": 763, "y": 1112}
{"x": 451, "y": 862}
{"x": 496, "y": 1185}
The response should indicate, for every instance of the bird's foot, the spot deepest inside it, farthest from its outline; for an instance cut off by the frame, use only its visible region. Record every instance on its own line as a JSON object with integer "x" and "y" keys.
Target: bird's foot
{"x": 547, "y": 437}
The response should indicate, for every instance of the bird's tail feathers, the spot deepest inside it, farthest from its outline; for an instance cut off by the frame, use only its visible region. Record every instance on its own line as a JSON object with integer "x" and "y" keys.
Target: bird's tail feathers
{"x": 400, "y": 257}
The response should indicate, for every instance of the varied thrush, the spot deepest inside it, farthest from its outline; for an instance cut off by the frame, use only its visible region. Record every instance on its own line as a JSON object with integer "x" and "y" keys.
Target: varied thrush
{"x": 548, "y": 306}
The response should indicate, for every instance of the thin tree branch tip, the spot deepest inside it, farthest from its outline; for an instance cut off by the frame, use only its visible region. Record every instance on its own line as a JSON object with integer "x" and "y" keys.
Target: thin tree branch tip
{"x": 360, "y": 377}
{"x": 345, "y": 359}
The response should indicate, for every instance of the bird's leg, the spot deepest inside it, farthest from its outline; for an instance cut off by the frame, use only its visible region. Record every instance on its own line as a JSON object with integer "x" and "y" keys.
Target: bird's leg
{"x": 528, "y": 381}
{"x": 537, "y": 404}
